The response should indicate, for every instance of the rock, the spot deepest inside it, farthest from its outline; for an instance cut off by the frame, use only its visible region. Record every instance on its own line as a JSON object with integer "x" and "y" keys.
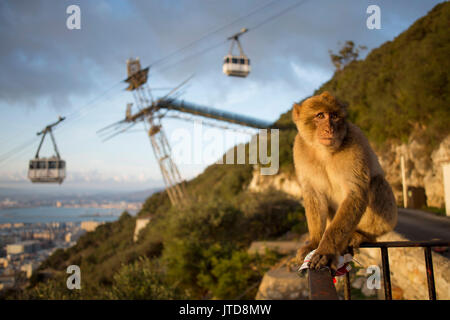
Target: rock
{"x": 368, "y": 292}
{"x": 281, "y": 181}
{"x": 359, "y": 282}
{"x": 281, "y": 284}
{"x": 423, "y": 169}
{"x": 141, "y": 223}
{"x": 397, "y": 293}
{"x": 408, "y": 274}
{"x": 281, "y": 247}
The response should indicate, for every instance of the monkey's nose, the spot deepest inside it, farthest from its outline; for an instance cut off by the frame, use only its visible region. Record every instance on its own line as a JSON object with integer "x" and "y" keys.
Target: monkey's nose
{"x": 329, "y": 130}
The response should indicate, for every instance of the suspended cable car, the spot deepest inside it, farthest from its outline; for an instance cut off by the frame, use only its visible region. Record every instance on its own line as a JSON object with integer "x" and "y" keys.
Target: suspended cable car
{"x": 237, "y": 66}
{"x": 47, "y": 170}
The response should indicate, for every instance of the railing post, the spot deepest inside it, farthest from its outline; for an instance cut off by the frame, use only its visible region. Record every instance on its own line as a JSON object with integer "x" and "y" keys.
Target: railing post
{"x": 430, "y": 273}
{"x": 347, "y": 287}
{"x": 321, "y": 285}
{"x": 386, "y": 273}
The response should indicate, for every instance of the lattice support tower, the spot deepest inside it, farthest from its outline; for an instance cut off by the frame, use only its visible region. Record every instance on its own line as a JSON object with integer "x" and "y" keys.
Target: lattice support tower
{"x": 175, "y": 186}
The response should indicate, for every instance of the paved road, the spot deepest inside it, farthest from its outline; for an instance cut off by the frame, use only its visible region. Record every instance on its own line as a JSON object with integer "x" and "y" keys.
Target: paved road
{"x": 418, "y": 225}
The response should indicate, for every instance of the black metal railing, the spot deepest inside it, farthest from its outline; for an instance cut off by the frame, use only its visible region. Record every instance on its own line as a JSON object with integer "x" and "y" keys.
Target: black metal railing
{"x": 321, "y": 283}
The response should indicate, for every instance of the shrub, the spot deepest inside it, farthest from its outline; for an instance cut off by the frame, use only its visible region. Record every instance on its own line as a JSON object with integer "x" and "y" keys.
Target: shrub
{"x": 143, "y": 279}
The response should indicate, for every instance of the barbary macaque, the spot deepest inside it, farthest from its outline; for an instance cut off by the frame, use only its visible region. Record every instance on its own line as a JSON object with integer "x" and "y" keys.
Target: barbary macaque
{"x": 346, "y": 197}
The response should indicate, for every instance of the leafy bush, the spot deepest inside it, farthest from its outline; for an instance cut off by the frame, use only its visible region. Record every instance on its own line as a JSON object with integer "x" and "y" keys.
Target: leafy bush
{"x": 270, "y": 214}
{"x": 202, "y": 238}
{"x": 54, "y": 289}
{"x": 229, "y": 276}
{"x": 188, "y": 235}
{"x": 142, "y": 280}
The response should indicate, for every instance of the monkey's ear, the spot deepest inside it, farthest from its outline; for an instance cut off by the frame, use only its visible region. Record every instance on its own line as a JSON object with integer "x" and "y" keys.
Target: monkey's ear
{"x": 296, "y": 112}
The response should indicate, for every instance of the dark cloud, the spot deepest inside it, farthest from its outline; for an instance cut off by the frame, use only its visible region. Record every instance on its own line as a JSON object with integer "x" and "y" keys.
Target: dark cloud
{"x": 41, "y": 61}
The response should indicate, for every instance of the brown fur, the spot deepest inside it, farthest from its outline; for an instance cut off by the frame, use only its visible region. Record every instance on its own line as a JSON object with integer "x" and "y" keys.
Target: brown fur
{"x": 346, "y": 197}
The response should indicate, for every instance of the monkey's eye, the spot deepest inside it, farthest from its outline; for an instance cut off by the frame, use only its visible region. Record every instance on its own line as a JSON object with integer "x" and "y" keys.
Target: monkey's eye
{"x": 320, "y": 115}
{"x": 333, "y": 115}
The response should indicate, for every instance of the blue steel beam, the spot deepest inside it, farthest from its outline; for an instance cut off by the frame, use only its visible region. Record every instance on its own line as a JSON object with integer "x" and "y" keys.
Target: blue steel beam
{"x": 208, "y": 112}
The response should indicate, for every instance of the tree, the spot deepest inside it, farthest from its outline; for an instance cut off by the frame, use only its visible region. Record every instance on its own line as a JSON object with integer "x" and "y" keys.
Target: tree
{"x": 347, "y": 54}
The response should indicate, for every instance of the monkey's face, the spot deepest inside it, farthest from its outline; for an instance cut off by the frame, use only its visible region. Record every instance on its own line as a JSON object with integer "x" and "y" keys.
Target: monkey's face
{"x": 328, "y": 128}
{"x": 321, "y": 120}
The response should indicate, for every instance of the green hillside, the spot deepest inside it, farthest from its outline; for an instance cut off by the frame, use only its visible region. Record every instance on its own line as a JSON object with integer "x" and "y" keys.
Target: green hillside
{"x": 199, "y": 251}
{"x": 403, "y": 86}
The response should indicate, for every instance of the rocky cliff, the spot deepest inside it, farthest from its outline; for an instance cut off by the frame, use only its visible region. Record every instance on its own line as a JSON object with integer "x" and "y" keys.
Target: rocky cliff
{"x": 423, "y": 169}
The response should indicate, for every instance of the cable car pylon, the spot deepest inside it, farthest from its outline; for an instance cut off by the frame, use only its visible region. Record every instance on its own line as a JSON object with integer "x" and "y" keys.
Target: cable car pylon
{"x": 152, "y": 112}
{"x": 137, "y": 80}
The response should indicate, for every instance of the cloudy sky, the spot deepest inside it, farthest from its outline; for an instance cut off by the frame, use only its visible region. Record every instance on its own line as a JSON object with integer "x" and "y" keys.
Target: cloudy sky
{"x": 48, "y": 70}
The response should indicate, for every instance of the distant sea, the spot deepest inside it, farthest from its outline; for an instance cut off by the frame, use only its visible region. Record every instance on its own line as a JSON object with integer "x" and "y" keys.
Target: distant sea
{"x": 53, "y": 214}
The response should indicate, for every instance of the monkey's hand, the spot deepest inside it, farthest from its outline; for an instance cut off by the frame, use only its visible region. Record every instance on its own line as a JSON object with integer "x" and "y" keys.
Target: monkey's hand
{"x": 303, "y": 251}
{"x": 323, "y": 258}
{"x": 357, "y": 238}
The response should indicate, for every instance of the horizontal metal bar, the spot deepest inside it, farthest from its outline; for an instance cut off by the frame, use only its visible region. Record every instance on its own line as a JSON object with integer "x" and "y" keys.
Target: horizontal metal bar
{"x": 399, "y": 244}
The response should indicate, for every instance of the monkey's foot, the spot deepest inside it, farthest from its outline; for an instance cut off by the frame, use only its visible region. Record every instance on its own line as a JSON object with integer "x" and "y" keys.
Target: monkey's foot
{"x": 303, "y": 251}
{"x": 319, "y": 261}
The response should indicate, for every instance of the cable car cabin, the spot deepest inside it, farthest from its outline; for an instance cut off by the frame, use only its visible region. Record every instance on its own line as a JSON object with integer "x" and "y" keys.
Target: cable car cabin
{"x": 47, "y": 170}
{"x": 237, "y": 66}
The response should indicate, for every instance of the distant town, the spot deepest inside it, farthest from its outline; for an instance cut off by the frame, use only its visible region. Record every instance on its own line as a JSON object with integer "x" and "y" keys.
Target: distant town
{"x": 123, "y": 205}
{"x": 128, "y": 201}
{"x": 23, "y": 246}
